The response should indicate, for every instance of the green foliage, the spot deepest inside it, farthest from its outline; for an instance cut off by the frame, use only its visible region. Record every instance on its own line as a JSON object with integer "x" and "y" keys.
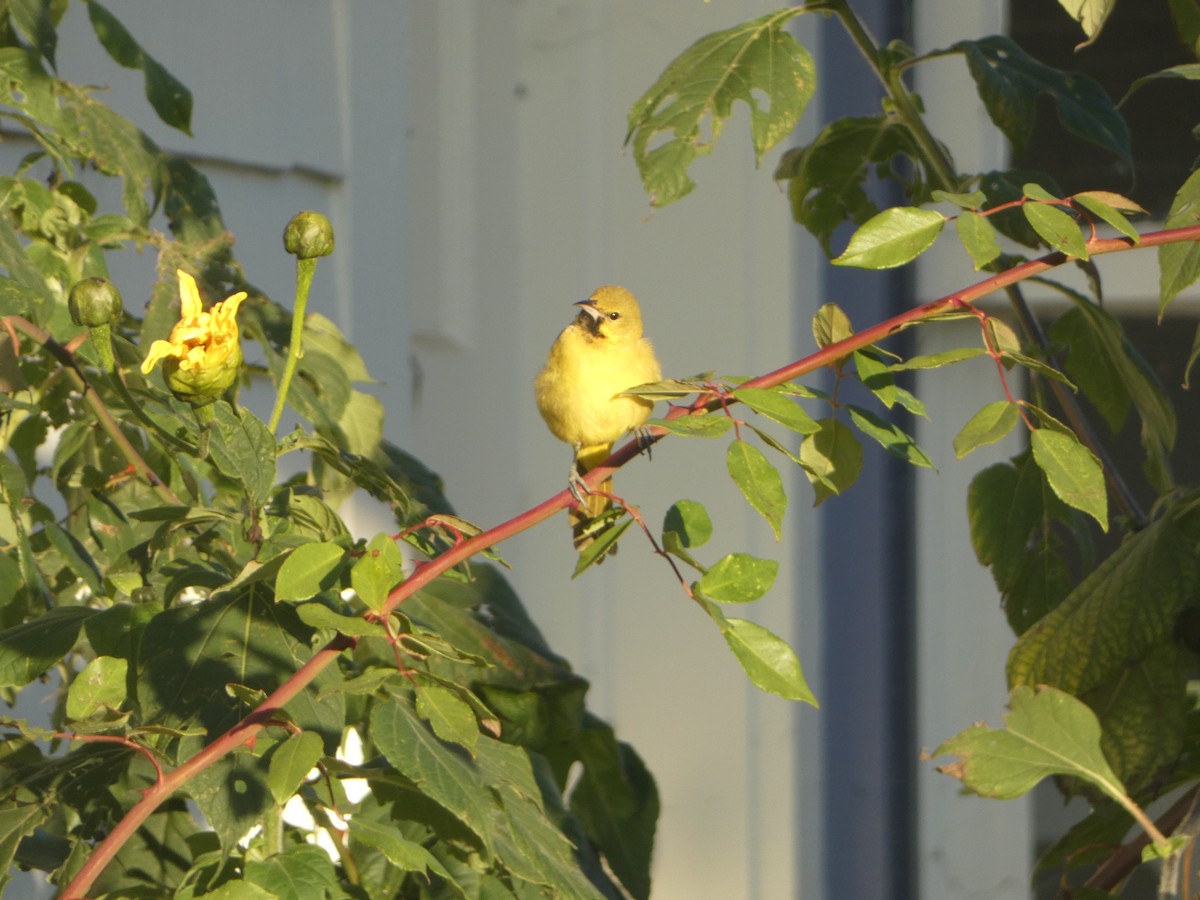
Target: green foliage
{"x": 1108, "y": 623}
{"x": 215, "y": 634}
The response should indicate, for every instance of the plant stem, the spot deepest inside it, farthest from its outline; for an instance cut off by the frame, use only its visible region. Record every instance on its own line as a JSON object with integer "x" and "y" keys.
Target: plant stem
{"x": 107, "y": 422}
{"x": 304, "y": 276}
{"x": 243, "y": 732}
{"x": 941, "y": 168}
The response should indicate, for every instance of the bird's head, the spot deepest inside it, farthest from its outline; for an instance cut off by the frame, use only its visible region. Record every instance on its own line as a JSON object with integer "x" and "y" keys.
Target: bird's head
{"x": 611, "y": 312}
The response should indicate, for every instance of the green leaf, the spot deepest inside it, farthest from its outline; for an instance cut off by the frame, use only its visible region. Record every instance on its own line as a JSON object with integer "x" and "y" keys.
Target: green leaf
{"x": 1074, "y": 473}
{"x": 757, "y": 62}
{"x": 1179, "y": 263}
{"x": 1010, "y": 81}
{"x": 1125, "y": 610}
{"x": 291, "y": 762}
{"x": 759, "y": 482}
{"x": 616, "y": 802}
{"x": 832, "y": 459}
{"x": 889, "y": 436}
{"x": 1057, "y": 228}
{"x": 232, "y": 793}
{"x": 1101, "y": 204}
{"x": 36, "y": 23}
{"x": 449, "y": 715}
{"x": 17, "y": 821}
{"x": 778, "y": 407}
{"x": 243, "y": 448}
{"x": 1112, "y": 373}
{"x": 827, "y": 178}
{"x": 402, "y": 853}
{"x": 378, "y": 570}
{"x": 937, "y": 360}
{"x": 301, "y": 872}
{"x": 318, "y": 615}
{"x": 607, "y": 532}
{"x": 189, "y": 653}
{"x": 991, "y": 424}
{"x": 689, "y": 522}
{"x": 1185, "y": 71}
{"x": 28, "y": 649}
{"x": 892, "y": 238}
{"x": 98, "y": 688}
{"x": 1192, "y": 357}
{"x": 830, "y": 325}
{"x": 768, "y": 661}
{"x": 308, "y": 570}
{"x": 170, "y": 99}
{"x": 1049, "y": 733}
{"x": 446, "y": 776}
{"x": 978, "y": 236}
{"x": 738, "y": 578}
{"x": 1090, "y": 14}
{"x": 708, "y": 425}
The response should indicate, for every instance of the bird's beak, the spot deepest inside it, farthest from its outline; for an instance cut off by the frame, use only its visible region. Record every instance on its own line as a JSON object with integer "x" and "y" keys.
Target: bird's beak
{"x": 589, "y": 307}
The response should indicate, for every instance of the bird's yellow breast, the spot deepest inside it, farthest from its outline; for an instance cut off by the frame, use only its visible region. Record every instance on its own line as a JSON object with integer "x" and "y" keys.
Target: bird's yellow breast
{"x": 578, "y": 387}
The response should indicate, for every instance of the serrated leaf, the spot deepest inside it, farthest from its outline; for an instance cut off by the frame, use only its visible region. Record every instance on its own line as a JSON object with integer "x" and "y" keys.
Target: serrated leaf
{"x": 978, "y": 237}
{"x": 1179, "y": 263}
{"x": 291, "y": 762}
{"x": 991, "y": 424}
{"x": 767, "y": 660}
{"x": 1057, "y": 228}
{"x": 889, "y": 436}
{"x": 892, "y": 238}
{"x": 449, "y": 715}
{"x": 301, "y": 872}
{"x": 777, "y": 407}
{"x": 757, "y": 62}
{"x": 1048, "y": 732}
{"x": 308, "y": 570}
{"x": 378, "y": 570}
{"x": 243, "y": 448}
{"x": 189, "y": 653}
{"x": 759, "y": 482}
{"x": 832, "y": 459}
{"x": 707, "y": 425}
{"x": 1074, "y": 473}
{"x": 1010, "y": 81}
{"x": 402, "y": 853}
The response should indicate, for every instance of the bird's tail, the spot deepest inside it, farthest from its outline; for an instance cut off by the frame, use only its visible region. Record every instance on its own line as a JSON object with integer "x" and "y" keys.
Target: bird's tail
{"x": 594, "y": 504}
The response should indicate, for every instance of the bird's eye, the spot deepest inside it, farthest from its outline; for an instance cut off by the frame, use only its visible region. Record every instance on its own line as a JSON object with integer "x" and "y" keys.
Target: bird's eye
{"x": 613, "y": 316}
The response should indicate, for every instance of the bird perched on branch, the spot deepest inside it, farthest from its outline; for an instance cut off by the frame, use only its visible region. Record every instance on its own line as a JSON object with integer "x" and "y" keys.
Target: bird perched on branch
{"x": 598, "y": 356}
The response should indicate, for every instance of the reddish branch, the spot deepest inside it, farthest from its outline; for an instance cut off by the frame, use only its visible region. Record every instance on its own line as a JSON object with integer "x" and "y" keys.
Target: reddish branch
{"x": 245, "y": 731}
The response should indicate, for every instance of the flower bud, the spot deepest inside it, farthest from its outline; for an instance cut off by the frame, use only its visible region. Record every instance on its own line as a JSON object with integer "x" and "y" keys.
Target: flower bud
{"x": 94, "y": 302}
{"x": 308, "y": 235}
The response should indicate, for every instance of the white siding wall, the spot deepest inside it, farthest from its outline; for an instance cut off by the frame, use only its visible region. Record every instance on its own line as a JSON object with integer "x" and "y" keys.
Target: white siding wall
{"x": 470, "y": 157}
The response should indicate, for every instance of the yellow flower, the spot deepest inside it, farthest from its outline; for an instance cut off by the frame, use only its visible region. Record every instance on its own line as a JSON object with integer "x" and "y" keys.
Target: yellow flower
{"x": 202, "y": 357}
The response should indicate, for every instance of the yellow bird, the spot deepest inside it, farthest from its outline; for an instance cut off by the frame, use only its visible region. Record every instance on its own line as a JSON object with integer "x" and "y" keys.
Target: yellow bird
{"x": 598, "y": 356}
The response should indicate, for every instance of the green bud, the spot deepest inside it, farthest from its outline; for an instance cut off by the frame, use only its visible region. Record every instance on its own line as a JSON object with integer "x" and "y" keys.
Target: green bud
{"x": 200, "y": 386}
{"x": 94, "y": 302}
{"x": 308, "y": 235}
